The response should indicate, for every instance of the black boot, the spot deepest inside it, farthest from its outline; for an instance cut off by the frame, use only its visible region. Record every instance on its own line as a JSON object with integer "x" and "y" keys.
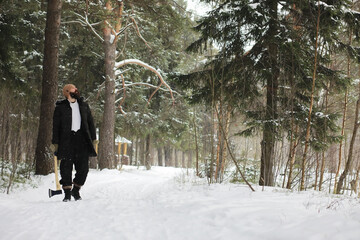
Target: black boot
{"x": 75, "y": 192}
{"x": 67, "y": 195}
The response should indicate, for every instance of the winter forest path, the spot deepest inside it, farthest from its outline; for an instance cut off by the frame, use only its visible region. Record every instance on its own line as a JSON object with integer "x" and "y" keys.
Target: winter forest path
{"x": 168, "y": 204}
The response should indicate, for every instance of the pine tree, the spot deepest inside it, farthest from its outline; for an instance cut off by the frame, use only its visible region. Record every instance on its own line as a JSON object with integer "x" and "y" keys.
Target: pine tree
{"x": 21, "y": 46}
{"x": 267, "y": 45}
{"x": 156, "y": 21}
{"x": 49, "y": 85}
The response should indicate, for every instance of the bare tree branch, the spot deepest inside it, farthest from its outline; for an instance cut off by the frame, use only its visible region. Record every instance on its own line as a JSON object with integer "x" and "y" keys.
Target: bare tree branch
{"x": 124, "y": 28}
{"x": 124, "y": 94}
{"x": 138, "y": 32}
{"x": 140, "y": 63}
{"x": 85, "y": 22}
{"x": 124, "y": 46}
{"x": 147, "y": 85}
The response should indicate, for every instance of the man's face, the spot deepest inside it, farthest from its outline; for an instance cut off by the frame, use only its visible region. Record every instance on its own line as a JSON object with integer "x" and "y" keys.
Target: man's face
{"x": 74, "y": 94}
{"x": 72, "y": 90}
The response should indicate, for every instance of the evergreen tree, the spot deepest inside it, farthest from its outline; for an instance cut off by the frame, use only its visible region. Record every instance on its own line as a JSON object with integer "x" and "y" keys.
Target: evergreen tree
{"x": 266, "y": 49}
{"x": 21, "y": 52}
{"x": 167, "y": 33}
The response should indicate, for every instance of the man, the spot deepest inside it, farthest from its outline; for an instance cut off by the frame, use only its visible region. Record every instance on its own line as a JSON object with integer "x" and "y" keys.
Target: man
{"x": 73, "y": 136}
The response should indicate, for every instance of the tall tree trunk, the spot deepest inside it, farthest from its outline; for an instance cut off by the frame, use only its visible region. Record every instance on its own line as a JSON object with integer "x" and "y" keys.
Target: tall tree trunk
{"x": 142, "y": 151}
{"x": 183, "y": 159}
{"x": 322, "y": 169}
{"x": 49, "y": 87}
{"x": 167, "y": 153}
{"x": 224, "y": 148}
{"x": 349, "y": 161}
{"x": 190, "y": 160}
{"x": 210, "y": 167}
{"x": 316, "y": 171}
{"x": 176, "y": 158}
{"x": 218, "y": 147}
{"x": 137, "y": 151}
{"x": 343, "y": 122}
{"x": 131, "y": 152}
{"x": 357, "y": 180}
{"x": 5, "y": 133}
{"x": 341, "y": 141}
{"x": 196, "y": 145}
{"x": 307, "y": 136}
{"x": 93, "y": 162}
{"x": 292, "y": 156}
{"x": 294, "y": 131}
{"x": 107, "y": 134}
{"x": 148, "y": 152}
{"x": 269, "y": 131}
{"x": 160, "y": 156}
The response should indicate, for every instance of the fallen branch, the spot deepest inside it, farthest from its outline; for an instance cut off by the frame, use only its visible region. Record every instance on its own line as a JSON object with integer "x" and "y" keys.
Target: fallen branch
{"x": 230, "y": 152}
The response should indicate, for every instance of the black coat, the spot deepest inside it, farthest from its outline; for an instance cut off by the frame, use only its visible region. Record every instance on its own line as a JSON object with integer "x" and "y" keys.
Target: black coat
{"x": 62, "y": 127}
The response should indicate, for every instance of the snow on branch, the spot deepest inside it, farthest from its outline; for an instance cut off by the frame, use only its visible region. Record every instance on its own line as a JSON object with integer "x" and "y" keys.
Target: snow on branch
{"x": 147, "y": 66}
{"x": 84, "y": 21}
{"x": 124, "y": 28}
{"x": 144, "y": 84}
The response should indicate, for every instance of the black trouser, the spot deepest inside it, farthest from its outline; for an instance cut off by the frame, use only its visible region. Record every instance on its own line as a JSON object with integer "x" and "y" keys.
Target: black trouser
{"x": 79, "y": 157}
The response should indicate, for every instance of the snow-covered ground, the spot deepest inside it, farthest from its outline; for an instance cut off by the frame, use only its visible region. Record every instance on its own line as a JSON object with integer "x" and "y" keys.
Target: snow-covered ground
{"x": 166, "y": 203}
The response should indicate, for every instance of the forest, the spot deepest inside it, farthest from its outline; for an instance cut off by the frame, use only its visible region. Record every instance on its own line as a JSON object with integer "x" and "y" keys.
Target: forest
{"x": 254, "y": 92}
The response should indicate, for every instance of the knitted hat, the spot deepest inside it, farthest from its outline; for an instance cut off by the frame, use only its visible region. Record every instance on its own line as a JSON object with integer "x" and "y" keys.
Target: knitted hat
{"x": 67, "y": 88}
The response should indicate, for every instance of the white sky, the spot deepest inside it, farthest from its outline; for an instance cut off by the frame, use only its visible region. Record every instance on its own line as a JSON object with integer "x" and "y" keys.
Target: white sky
{"x": 198, "y": 7}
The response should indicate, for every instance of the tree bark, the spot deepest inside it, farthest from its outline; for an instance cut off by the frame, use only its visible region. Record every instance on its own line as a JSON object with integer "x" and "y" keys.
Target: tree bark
{"x": 316, "y": 170}
{"x": 183, "y": 158}
{"x": 196, "y": 145}
{"x": 349, "y": 161}
{"x": 269, "y": 131}
{"x": 167, "y": 153}
{"x": 142, "y": 151}
{"x": 176, "y": 158}
{"x": 343, "y": 122}
{"x": 292, "y": 156}
{"x": 322, "y": 169}
{"x": 131, "y": 152}
{"x": 190, "y": 160}
{"x": 148, "y": 152}
{"x": 107, "y": 135}
{"x": 224, "y": 147}
{"x": 93, "y": 162}
{"x": 218, "y": 147}
{"x": 341, "y": 142}
{"x": 307, "y": 137}
{"x": 160, "y": 156}
{"x": 5, "y": 133}
{"x": 49, "y": 87}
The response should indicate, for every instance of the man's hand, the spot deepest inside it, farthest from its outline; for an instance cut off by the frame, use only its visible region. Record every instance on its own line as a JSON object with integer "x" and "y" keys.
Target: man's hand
{"x": 54, "y": 147}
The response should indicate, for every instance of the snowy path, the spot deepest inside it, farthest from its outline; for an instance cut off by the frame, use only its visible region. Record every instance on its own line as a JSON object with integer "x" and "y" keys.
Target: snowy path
{"x": 165, "y": 204}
